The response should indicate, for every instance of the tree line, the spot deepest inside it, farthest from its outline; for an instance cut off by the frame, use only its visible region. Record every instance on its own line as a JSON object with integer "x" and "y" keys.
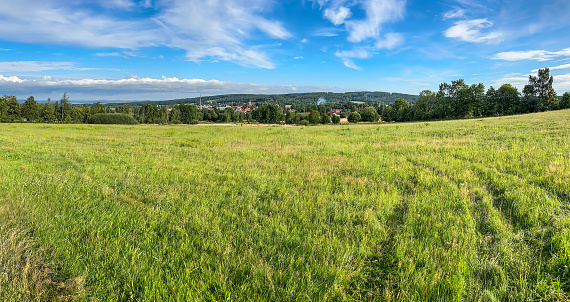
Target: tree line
{"x": 459, "y": 100}
{"x": 452, "y": 101}
{"x": 299, "y": 101}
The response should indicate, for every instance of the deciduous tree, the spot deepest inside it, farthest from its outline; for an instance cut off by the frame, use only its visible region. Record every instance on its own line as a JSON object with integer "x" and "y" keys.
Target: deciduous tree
{"x": 354, "y": 117}
{"x": 541, "y": 87}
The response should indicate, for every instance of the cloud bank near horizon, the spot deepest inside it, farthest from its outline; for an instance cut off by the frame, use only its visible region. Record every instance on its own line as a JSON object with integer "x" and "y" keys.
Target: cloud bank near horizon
{"x": 134, "y": 88}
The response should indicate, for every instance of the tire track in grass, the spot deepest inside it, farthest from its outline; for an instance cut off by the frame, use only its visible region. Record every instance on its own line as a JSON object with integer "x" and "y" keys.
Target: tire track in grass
{"x": 380, "y": 274}
{"x": 560, "y": 192}
{"x": 424, "y": 255}
{"x": 534, "y": 247}
{"x": 487, "y": 275}
{"x": 542, "y": 219}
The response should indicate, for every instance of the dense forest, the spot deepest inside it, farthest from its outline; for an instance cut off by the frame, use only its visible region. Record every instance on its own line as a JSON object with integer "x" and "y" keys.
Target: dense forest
{"x": 452, "y": 101}
{"x": 296, "y": 100}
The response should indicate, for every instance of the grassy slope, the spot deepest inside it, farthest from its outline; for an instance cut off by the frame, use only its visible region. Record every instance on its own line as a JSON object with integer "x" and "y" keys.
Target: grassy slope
{"x": 458, "y": 210}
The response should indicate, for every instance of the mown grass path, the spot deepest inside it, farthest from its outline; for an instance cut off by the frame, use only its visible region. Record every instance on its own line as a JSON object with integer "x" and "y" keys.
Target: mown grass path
{"x": 472, "y": 210}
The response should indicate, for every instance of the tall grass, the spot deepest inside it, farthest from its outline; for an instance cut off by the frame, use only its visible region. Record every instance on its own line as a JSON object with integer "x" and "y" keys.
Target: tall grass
{"x": 473, "y": 210}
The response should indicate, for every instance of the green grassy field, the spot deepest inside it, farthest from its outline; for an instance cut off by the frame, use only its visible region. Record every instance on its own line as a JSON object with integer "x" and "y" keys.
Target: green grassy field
{"x": 471, "y": 210}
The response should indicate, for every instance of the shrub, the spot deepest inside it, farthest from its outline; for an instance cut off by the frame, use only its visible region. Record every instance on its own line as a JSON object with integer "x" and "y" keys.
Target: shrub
{"x": 112, "y": 118}
{"x": 336, "y": 119}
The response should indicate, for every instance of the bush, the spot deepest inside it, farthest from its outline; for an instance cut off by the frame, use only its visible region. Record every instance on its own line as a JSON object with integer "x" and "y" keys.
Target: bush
{"x": 112, "y": 118}
{"x": 336, "y": 119}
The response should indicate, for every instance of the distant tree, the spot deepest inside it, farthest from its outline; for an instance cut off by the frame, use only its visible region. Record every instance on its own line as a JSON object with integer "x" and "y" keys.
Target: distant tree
{"x": 175, "y": 115}
{"x": 541, "y": 87}
{"x": 325, "y": 119}
{"x": 424, "y": 105}
{"x": 508, "y": 100}
{"x": 13, "y": 109}
{"x": 314, "y": 117}
{"x": 460, "y": 98}
{"x": 48, "y": 112}
{"x": 3, "y": 110}
{"x": 489, "y": 105}
{"x": 354, "y": 117}
{"x": 369, "y": 114}
{"x": 530, "y": 103}
{"x": 291, "y": 117}
{"x": 335, "y": 119}
{"x": 65, "y": 108}
{"x": 229, "y": 114}
{"x": 478, "y": 98}
{"x": 30, "y": 110}
{"x": 97, "y": 108}
{"x": 270, "y": 113}
{"x": 78, "y": 114}
{"x": 125, "y": 108}
{"x": 400, "y": 110}
{"x": 189, "y": 114}
{"x": 441, "y": 108}
{"x": 565, "y": 101}
{"x": 161, "y": 115}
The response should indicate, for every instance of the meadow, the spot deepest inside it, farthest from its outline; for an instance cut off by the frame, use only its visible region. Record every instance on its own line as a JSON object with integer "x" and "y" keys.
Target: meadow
{"x": 469, "y": 210}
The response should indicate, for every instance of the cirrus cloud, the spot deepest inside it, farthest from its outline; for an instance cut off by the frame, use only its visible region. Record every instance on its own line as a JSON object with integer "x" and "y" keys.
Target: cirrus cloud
{"x": 212, "y": 30}
{"x": 474, "y": 31}
{"x": 536, "y": 55}
{"x": 34, "y": 66}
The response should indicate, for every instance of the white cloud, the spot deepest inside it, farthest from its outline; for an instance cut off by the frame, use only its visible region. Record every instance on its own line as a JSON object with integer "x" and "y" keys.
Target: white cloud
{"x": 272, "y": 28}
{"x": 194, "y": 26}
{"x": 39, "y": 66}
{"x": 34, "y": 66}
{"x": 564, "y": 66}
{"x": 326, "y": 32}
{"x": 298, "y": 58}
{"x": 12, "y": 79}
{"x": 120, "y": 4}
{"x": 108, "y": 54}
{"x": 366, "y": 30}
{"x": 390, "y": 41}
{"x": 350, "y": 64}
{"x": 473, "y": 31}
{"x": 377, "y": 13}
{"x": 347, "y": 55}
{"x": 338, "y": 15}
{"x": 135, "y": 88}
{"x": 561, "y": 83}
{"x": 536, "y": 55}
{"x": 68, "y": 24}
{"x": 305, "y": 41}
{"x": 359, "y": 53}
{"x": 208, "y": 30}
{"x": 453, "y": 14}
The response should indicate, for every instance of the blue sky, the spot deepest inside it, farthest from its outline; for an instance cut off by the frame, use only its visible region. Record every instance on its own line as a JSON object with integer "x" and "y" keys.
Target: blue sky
{"x": 164, "y": 49}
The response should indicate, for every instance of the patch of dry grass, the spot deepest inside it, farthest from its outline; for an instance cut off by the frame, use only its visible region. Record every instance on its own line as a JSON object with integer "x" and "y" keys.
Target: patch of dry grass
{"x": 25, "y": 276}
